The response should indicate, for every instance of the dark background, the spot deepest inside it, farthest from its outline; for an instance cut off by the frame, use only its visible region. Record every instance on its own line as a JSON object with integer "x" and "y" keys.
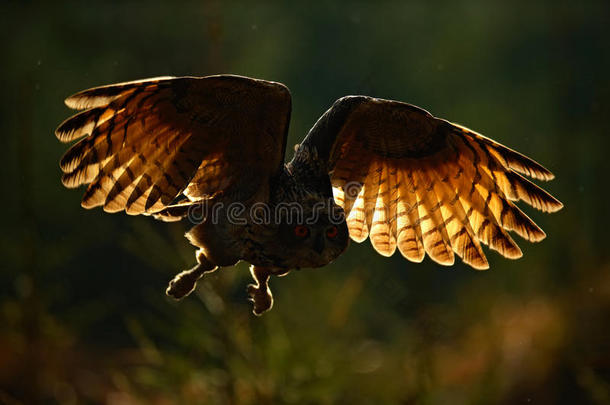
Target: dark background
{"x": 83, "y": 315}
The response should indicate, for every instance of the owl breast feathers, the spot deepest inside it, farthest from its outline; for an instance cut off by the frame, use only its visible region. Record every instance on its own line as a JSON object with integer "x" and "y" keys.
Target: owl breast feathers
{"x": 174, "y": 146}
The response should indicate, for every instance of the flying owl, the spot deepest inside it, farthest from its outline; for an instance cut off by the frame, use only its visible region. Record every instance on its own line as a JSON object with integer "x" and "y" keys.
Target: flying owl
{"x": 211, "y": 150}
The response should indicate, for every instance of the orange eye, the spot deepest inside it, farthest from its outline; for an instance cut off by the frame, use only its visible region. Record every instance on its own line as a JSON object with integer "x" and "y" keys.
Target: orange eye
{"x": 332, "y": 232}
{"x": 301, "y": 231}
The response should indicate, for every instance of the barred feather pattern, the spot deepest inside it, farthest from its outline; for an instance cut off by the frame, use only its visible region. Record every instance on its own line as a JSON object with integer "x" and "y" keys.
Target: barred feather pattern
{"x": 442, "y": 204}
{"x": 144, "y": 143}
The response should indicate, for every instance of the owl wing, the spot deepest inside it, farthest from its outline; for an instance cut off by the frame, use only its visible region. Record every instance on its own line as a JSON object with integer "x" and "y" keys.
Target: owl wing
{"x": 146, "y": 142}
{"x": 409, "y": 180}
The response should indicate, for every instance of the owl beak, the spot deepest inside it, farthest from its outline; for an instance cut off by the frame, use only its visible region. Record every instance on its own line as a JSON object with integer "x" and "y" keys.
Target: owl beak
{"x": 318, "y": 245}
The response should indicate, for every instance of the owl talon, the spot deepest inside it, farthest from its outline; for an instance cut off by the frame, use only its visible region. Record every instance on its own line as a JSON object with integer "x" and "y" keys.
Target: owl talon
{"x": 259, "y": 293}
{"x": 261, "y": 298}
{"x": 184, "y": 283}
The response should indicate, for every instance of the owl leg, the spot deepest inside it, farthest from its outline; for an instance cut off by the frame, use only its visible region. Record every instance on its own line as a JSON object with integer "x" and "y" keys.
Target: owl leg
{"x": 184, "y": 283}
{"x": 259, "y": 293}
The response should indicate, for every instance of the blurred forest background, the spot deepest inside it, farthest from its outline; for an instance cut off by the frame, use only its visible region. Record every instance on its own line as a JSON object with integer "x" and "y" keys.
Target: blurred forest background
{"x": 83, "y": 315}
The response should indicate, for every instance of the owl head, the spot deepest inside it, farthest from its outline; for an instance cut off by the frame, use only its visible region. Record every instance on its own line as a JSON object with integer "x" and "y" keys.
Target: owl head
{"x": 311, "y": 233}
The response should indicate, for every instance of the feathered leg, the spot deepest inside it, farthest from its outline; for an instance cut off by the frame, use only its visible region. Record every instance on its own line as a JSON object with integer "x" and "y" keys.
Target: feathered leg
{"x": 260, "y": 293}
{"x": 184, "y": 283}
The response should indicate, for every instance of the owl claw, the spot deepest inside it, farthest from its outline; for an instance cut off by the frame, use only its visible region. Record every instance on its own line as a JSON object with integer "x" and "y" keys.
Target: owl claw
{"x": 259, "y": 293}
{"x": 184, "y": 283}
{"x": 261, "y": 298}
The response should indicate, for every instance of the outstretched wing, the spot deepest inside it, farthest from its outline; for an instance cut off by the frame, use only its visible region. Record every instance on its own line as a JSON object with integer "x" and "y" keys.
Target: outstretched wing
{"x": 146, "y": 142}
{"x": 409, "y": 180}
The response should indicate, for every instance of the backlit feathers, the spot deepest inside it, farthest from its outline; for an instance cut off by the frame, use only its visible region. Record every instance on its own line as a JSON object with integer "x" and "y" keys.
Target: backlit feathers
{"x": 146, "y": 142}
{"x": 429, "y": 186}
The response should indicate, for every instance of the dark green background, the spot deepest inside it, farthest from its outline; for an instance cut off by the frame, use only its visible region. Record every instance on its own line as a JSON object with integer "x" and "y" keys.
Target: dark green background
{"x": 83, "y": 315}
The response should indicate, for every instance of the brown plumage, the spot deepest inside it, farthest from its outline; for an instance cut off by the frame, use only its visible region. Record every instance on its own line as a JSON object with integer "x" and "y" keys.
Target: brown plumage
{"x": 394, "y": 173}
{"x": 145, "y": 141}
{"x": 445, "y": 187}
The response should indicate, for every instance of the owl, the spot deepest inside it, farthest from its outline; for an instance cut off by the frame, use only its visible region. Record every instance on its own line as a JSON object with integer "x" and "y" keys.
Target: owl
{"x": 211, "y": 150}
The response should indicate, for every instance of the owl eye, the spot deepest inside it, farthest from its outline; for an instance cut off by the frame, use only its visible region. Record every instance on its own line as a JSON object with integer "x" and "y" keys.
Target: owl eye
{"x": 301, "y": 231}
{"x": 332, "y": 232}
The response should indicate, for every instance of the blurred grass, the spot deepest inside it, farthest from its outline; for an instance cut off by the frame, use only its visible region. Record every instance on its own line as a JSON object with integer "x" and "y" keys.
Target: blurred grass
{"x": 83, "y": 314}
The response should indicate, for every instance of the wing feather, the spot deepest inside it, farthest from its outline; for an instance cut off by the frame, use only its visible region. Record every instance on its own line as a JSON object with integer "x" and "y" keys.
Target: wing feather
{"x": 436, "y": 240}
{"x": 381, "y": 234}
{"x": 409, "y": 235}
{"x": 463, "y": 238}
{"x": 431, "y": 186}
{"x": 143, "y": 143}
{"x": 356, "y": 219}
